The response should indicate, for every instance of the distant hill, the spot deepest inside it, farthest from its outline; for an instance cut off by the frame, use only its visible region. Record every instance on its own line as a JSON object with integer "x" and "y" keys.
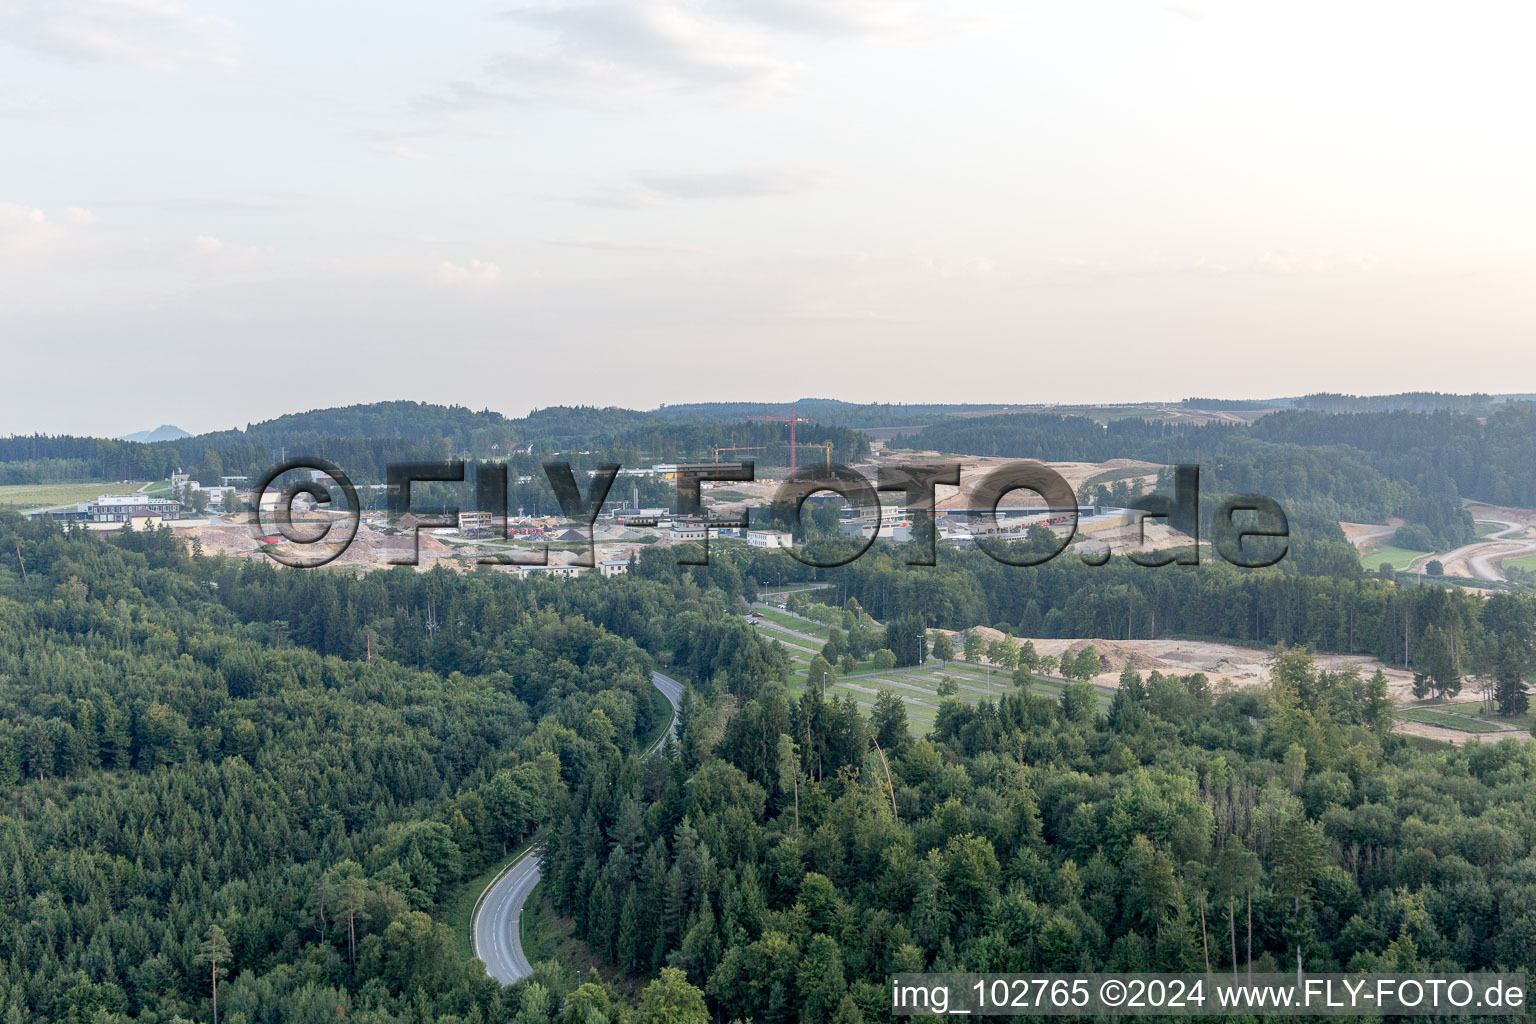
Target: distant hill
{"x": 164, "y": 432}
{"x": 826, "y": 411}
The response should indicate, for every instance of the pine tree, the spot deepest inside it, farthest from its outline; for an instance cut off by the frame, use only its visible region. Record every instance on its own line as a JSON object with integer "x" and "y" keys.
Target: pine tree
{"x": 214, "y": 952}
{"x": 1509, "y": 691}
{"x": 889, "y": 718}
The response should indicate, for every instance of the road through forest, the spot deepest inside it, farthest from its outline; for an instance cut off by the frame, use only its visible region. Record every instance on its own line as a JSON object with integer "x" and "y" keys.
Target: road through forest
{"x": 497, "y": 922}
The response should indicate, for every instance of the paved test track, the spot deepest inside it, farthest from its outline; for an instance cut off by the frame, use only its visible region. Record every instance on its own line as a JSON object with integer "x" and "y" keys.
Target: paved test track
{"x": 496, "y": 925}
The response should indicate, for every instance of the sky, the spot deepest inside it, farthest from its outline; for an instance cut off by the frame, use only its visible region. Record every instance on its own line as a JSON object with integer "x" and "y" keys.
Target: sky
{"x": 212, "y": 213}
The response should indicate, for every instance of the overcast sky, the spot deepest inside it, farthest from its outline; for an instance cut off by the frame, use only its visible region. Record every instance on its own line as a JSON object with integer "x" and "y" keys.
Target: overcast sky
{"x": 215, "y": 212}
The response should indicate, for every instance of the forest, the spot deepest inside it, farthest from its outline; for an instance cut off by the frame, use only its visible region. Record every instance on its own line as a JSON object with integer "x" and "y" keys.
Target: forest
{"x": 289, "y": 772}
{"x": 219, "y": 777}
{"x": 180, "y": 783}
{"x": 797, "y": 866}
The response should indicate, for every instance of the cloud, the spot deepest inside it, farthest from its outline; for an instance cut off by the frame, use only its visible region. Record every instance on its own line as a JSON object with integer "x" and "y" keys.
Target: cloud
{"x": 268, "y": 202}
{"x": 402, "y": 152}
{"x": 615, "y": 47}
{"x": 476, "y": 272}
{"x": 655, "y": 190}
{"x": 1270, "y": 263}
{"x": 853, "y": 18}
{"x": 136, "y": 33}
{"x": 602, "y": 53}
{"x": 219, "y": 255}
{"x": 614, "y": 245}
{"x": 1189, "y": 12}
{"x": 29, "y": 230}
{"x": 611, "y": 199}
{"x": 734, "y": 184}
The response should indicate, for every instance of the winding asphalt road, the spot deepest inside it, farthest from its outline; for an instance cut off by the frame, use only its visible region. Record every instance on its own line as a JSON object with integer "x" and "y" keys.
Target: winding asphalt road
{"x": 1481, "y": 555}
{"x": 496, "y": 926}
{"x": 1481, "y": 552}
{"x": 1483, "y": 564}
{"x": 1362, "y": 540}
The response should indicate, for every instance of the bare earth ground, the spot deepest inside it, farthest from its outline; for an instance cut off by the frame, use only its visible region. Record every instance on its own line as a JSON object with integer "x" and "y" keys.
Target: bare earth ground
{"x": 1226, "y": 664}
{"x": 972, "y": 469}
{"x": 1516, "y": 538}
{"x": 370, "y": 549}
{"x": 1362, "y": 534}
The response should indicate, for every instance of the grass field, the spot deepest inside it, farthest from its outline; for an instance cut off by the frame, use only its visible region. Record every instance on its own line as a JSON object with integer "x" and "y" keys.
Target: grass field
{"x": 1400, "y": 558}
{"x": 1484, "y": 529}
{"x": 1526, "y": 564}
{"x": 917, "y": 687}
{"x": 1444, "y": 721}
{"x": 30, "y": 496}
{"x": 1473, "y": 707}
{"x": 796, "y": 623}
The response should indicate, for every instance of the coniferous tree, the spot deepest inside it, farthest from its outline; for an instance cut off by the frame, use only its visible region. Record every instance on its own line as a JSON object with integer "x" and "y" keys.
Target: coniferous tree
{"x": 214, "y": 952}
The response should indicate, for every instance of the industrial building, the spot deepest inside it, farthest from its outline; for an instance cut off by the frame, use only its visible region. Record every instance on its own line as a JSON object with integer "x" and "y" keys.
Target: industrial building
{"x": 559, "y": 572}
{"x": 118, "y": 508}
{"x": 475, "y": 521}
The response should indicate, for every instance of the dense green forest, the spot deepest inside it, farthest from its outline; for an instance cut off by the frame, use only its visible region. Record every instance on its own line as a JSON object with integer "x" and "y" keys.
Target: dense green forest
{"x": 795, "y": 868}
{"x": 283, "y": 778}
{"x": 310, "y": 762}
{"x": 169, "y": 766}
{"x": 1410, "y": 401}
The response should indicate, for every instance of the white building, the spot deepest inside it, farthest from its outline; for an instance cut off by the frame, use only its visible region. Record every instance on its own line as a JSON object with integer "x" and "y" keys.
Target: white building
{"x": 690, "y": 533}
{"x": 560, "y": 572}
{"x": 613, "y": 567}
{"x": 475, "y": 521}
{"x": 119, "y": 508}
{"x": 770, "y": 539}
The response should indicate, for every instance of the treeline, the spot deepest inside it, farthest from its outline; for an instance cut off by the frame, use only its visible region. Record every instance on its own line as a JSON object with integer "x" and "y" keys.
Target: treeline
{"x": 1490, "y": 461}
{"x": 365, "y": 440}
{"x": 1326, "y": 610}
{"x": 826, "y": 411}
{"x": 1410, "y": 401}
{"x": 682, "y": 613}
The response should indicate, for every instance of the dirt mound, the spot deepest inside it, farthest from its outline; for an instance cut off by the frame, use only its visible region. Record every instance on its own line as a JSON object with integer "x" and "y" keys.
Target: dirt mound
{"x": 373, "y": 547}
{"x": 227, "y": 540}
{"x": 987, "y": 633}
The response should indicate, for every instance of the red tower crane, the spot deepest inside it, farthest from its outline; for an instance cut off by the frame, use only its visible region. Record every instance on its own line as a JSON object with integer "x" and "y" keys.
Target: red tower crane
{"x": 791, "y": 419}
